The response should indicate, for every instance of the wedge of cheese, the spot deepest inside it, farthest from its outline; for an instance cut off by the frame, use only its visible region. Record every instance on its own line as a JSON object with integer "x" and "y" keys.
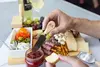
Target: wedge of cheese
{"x": 14, "y": 61}
{"x": 82, "y": 45}
{"x": 53, "y": 58}
{"x": 71, "y": 42}
{"x": 16, "y": 22}
{"x": 73, "y": 53}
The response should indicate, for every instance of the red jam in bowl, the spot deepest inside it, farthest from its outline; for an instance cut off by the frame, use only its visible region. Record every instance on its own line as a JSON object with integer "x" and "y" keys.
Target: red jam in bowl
{"x": 34, "y": 59}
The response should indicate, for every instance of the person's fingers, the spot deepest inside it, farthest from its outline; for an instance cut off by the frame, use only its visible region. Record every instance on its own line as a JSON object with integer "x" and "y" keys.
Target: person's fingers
{"x": 57, "y": 30}
{"x": 51, "y": 17}
{"x": 49, "y": 65}
{"x": 68, "y": 59}
{"x": 45, "y": 22}
{"x": 74, "y": 61}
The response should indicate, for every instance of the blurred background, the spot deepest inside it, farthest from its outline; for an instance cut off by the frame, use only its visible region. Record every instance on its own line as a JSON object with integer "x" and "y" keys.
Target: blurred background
{"x": 91, "y": 5}
{"x": 9, "y": 8}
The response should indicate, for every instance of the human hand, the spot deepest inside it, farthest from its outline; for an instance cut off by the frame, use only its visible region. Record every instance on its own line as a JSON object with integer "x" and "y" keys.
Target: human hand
{"x": 75, "y": 62}
{"x": 63, "y": 22}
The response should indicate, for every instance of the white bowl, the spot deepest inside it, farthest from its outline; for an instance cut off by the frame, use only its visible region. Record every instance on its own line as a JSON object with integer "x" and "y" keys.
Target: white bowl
{"x": 18, "y": 53}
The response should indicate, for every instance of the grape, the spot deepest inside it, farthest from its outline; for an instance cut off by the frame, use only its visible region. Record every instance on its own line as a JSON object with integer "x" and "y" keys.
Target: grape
{"x": 32, "y": 23}
{"x": 39, "y": 26}
{"x": 28, "y": 21}
{"x": 36, "y": 20}
{"x": 34, "y": 27}
{"x": 29, "y": 18}
{"x": 38, "y": 23}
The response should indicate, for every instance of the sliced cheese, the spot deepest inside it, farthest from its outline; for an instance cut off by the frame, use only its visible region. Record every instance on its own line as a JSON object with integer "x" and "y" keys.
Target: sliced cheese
{"x": 53, "y": 58}
{"x": 16, "y": 22}
{"x": 14, "y": 61}
{"x": 82, "y": 45}
{"x": 71, "y": 42}
{"x": 73, "y": 53}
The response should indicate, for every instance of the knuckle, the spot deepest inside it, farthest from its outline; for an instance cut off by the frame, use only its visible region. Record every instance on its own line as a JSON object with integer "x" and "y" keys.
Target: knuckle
{"x": 57, "y": 10}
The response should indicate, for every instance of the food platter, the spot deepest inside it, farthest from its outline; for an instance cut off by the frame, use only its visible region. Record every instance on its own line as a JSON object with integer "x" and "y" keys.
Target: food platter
{"x": 83, "y": 37}
{"x": 68, "y": 43}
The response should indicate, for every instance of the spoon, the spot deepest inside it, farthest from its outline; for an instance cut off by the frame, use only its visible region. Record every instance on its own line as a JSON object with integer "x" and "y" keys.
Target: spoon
{"x": 88, "y": 58}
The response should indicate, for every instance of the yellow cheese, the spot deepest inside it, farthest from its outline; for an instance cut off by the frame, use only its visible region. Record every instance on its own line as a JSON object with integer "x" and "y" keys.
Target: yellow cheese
{"x": 14, "y": 61}
{"x": 73, "y": 53}
{"x": 82, "y": 45}
{"x": 53, "y": 58}
{"x": 71, "y": 42}
{"x": 16, "y": 22}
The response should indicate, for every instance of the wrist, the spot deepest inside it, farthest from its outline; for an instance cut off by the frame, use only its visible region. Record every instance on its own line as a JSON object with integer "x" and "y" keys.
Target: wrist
{"x": 75, "y": 22}
{"x": 79, "y": 23}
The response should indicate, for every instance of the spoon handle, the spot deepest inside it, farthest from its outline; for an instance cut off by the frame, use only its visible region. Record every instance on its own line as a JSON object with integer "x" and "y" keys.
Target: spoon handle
{"x": 97, "y": 63}
{"x": 50, "y": 26}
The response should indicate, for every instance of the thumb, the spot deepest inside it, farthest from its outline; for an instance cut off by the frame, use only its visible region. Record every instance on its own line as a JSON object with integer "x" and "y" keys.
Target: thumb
{"x": 68, "y": 59}
{"x": 49, "y": 65}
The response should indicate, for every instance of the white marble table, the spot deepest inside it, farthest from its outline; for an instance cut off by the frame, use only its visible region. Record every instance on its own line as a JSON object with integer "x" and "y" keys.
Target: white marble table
{"x": 71, "y": 10}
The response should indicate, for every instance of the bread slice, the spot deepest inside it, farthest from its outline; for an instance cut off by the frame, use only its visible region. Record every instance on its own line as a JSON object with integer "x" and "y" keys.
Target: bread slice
{"x": 14, "y": 61}
{"x": 53, "y": 58}
{"x": 71, "y": 42}
{"x": 82, "y": 45}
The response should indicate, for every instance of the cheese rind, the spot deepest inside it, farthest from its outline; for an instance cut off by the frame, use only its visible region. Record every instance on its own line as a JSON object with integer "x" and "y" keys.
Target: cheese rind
{"x": 71, "y": 42}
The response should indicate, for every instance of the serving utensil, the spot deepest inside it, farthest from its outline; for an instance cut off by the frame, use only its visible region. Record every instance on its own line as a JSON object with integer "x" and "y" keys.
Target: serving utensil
{"x": 88, "y": 58}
